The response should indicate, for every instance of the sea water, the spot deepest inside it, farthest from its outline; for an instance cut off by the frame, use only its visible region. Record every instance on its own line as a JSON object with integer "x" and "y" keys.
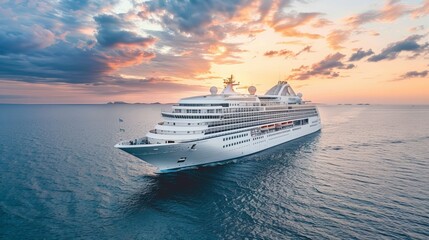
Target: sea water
{"x": 365, "y": 175}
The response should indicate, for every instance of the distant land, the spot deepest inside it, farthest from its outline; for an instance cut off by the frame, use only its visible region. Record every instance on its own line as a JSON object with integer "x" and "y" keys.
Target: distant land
{"x": 366, "y": 104}
{"x": 120, "y": 102}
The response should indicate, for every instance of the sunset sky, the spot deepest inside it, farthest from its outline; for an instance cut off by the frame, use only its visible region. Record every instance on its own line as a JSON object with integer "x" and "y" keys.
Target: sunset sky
{"x": 83, "y": 51}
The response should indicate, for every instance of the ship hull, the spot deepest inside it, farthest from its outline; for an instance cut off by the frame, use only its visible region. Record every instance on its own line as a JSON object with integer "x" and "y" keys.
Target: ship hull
{"x": 179, "y": 156}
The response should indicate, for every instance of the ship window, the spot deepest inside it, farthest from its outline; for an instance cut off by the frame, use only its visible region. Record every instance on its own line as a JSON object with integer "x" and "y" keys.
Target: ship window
{"x": 193, "y": 146}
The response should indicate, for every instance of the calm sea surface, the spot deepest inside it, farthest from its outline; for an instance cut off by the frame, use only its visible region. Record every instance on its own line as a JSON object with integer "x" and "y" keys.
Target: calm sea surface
{"x": 365, "y": 176}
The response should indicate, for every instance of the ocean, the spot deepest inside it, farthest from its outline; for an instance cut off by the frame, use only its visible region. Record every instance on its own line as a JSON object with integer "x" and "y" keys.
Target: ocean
{"x": 364, "y": 176}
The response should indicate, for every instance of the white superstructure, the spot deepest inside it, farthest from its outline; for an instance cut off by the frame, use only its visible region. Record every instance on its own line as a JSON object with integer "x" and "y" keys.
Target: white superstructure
{"x": 212, "y": 128}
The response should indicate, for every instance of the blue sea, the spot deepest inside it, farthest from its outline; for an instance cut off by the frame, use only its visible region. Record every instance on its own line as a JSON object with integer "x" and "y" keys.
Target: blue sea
{"x": 364, "y": 176}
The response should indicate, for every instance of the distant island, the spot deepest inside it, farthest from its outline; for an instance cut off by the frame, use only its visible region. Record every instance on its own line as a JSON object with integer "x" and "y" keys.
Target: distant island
{"x": 120, "y": 102}
{"x": 348, "y": 104}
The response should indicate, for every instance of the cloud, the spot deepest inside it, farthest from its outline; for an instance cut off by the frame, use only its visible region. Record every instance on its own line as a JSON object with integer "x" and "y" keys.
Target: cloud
{"x": 410, "y": 44}
{"x": 421, "y": 11}
{"x": 418, "y": 28}
{"x": 327, "y": 68}
{"x": 46, "y": 44}
{"x": 287, "y": 24}
{"x": 192, "y": 17}
{"x": 25, "y": 38}
{"x": 321, "y": 22}
{"x": 337, "y": 37}
{"x": 359, "y": 54}
{"x": 120, "y": 85}
{"x": 110, "y": 34}
{"x": 286, "y": 53}
{"x": 306, "y": 49}
{"x": 65, "y": 63}
{"x": 391, "y": 11}
{"x": 414, "y": 74}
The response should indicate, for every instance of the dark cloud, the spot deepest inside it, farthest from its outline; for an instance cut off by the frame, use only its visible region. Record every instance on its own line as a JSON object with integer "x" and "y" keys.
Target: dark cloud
{"x": 75, "y": 4}
{"x": 193, "y": 17}
{"x": 415, "y": 74}
{"x": 65, "y": 63}
{"x": 60, "y": 64}
{"x": 327, "y": 68}
{"x": 24, "y": 39}
{"x": 62, "y": 47}
{"x": 110, "y": 34}
{"x": 359, "y": 54}
{"x": 410, "y": 45}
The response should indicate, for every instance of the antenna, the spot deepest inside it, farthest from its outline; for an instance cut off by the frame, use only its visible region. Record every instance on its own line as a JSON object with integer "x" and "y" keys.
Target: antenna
{"x": 230, "y": 80}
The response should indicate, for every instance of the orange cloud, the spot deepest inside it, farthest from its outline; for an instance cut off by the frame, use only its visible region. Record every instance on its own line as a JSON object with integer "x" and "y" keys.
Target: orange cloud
{"x": 421, "y": 11}
{"x": 287, "y": 25}
{"x": 127, "y": 58}
{"x": 337, "y": 37}
{"x": 390, "y": 12}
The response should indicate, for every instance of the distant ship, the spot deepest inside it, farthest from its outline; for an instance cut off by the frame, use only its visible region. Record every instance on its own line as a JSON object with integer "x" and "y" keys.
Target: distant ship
{"x": 207, "y": 129}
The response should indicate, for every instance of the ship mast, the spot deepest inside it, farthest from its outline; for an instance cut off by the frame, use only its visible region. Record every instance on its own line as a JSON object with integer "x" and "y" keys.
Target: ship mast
{"x": 229, "y": 85}
{"x": 230, "y": 81}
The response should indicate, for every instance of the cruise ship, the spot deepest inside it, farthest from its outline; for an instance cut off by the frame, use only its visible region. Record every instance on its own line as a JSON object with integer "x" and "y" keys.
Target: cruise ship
{"x": 203, "y": 130}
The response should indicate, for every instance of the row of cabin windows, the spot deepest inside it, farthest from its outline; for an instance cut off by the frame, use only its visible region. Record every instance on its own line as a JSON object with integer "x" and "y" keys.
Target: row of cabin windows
{"x": 247, "y": 124}
{"x": 244, "y": 104}
{"x": 255, "y": 121}
{"x": 203, "y": 105}
{"x": 197, "y": 110}
{"x": 225, "y": 110}
{"x": 257, "y": 138}
{"x": 257, "y": 118}
{"x": 300, "y": 122}
{"x": 236, "y": 143}
{"x": 236, "y": 136}
{"x": 189, "y": 117}
{"x": 240, "y": 113}
{"x": 263, "y": 113}
{"x": 181, "y": 132}
{"x": 230, "y": 125}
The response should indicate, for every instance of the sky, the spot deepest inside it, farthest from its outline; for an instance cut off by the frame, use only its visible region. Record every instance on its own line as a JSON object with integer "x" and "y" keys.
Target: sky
{"x": 332, "y": 51}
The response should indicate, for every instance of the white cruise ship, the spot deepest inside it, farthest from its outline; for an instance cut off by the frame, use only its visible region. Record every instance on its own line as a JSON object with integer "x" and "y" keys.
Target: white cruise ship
{"x": 206, "y": 129}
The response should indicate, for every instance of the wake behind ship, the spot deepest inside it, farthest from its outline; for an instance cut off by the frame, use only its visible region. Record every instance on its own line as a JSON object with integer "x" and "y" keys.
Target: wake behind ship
{"x": 217, "y": 127}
